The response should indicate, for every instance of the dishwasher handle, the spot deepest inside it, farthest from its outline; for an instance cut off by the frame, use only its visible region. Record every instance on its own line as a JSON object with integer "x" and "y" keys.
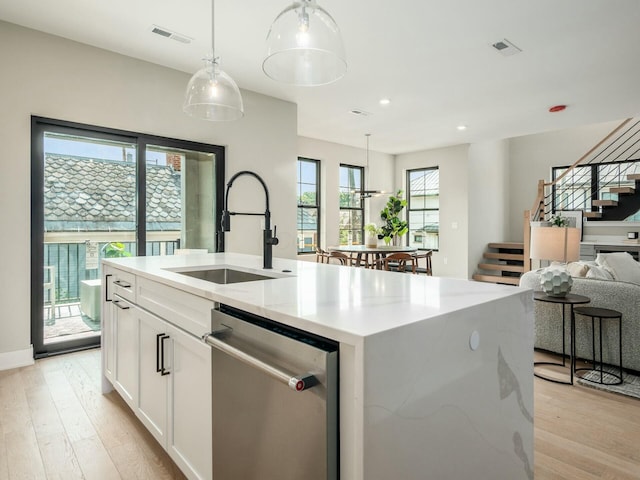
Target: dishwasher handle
{"x": 297, "y": 383}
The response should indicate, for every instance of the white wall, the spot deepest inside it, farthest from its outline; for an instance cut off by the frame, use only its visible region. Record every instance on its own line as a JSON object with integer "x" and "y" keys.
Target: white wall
{"x": 52, "y": 77}
{"x": 531, "y": 158}
{"x": 452, "y": 258}
{"x": 488, "y": 197}
{"x": 331, "y": 155}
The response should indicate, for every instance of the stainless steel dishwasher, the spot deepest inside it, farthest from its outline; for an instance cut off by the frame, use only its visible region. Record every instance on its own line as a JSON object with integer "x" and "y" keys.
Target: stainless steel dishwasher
{"x": 275, "y": 400}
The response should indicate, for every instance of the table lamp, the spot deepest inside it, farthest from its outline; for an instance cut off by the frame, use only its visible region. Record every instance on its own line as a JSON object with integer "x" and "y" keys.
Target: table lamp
{"x": 560, "y": 244}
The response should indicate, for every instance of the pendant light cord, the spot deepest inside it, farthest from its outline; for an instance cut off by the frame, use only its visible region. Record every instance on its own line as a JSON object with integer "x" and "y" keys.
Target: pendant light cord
{"x": 367, "y": 135}
{"x": 367, "y": 172}
{"x": 213, "y": 41}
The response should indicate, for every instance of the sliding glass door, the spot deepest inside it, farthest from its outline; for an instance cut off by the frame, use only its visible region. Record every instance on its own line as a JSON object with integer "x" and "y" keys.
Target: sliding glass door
{"x": 180, "y": 199}
{"x": 90, "y": 188}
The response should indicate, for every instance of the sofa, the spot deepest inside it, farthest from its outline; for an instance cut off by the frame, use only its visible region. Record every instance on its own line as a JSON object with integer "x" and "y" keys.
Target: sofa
{"x": 614, "y": 283}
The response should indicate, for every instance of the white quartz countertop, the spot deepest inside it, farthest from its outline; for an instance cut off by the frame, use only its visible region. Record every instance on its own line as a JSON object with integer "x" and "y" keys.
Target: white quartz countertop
{"x": 338, "y": 302}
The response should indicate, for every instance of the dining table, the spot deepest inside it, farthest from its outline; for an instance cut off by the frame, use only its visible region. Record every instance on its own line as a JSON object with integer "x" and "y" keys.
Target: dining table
{"x": 363, "y": 252}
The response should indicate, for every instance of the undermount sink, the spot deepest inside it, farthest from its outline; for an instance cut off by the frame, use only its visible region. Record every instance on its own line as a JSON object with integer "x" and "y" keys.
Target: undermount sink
{"x": 226, "y": 275}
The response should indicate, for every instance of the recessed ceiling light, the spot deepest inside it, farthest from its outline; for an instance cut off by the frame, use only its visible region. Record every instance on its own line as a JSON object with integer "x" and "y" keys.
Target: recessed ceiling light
{"x": 461, "y": 127}
{"x": 385, "y": 101}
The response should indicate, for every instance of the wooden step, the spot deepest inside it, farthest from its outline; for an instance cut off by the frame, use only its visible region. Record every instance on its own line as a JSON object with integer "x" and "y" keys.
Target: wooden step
{"x": 508, "y": 245}
{"x": 623, "y": 190}
{"x": 501, "y": 267}
{"x": 504, "y": 256}
{"x": 633, "y": 176}
{"x": 604, "y": 203}
{"x": 497, "y": 279}
{"x": 592, "y": 214}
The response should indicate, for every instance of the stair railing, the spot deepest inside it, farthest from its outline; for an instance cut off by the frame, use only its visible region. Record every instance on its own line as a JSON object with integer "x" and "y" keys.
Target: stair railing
{"x": 542, "y": 204}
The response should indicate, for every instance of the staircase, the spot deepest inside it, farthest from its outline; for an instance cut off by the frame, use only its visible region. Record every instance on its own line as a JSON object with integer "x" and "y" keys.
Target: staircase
{"x": 502, "y": 263}
{"x": 626, "y": 203}
{"x": 604, "y": 183}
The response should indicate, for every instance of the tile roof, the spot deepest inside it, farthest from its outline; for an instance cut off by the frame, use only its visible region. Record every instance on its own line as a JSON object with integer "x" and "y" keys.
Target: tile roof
{"x": 427, "y": 181}
{"x": 95, "y": 194}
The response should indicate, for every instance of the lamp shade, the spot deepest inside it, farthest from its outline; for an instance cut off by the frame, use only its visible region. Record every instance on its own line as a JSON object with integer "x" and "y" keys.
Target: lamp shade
{"x": 561, "y": 244}
{"x": 304, "y": 46}
{"x": 213, "y": 95}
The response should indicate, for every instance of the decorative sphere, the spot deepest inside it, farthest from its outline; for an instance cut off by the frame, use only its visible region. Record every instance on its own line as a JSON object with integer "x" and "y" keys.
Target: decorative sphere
{"x": 555, "y": 281}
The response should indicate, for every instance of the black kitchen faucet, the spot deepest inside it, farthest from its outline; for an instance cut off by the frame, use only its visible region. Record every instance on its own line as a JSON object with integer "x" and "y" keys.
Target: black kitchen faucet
{"x": 269, "y": 238}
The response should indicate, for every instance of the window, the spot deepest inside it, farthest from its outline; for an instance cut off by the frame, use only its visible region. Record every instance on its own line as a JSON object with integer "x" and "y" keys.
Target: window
{"x": 573, "y": 191}
{"x": 351, "y": 205}
{"x": 580, "y": 186}
{"x": 308, "y": 205}
{"x": 423, "y": 196}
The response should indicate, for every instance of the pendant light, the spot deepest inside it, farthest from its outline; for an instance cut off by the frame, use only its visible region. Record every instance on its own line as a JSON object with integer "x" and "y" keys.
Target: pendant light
{"x": 304, "y": 46}
{"x": 211, "y": 93}
{"x": 369, "y": 193}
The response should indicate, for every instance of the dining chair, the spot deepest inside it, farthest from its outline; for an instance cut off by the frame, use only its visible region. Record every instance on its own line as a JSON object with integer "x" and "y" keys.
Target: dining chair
{"x": 398, "y": 261}
{"x": 427, "y": 258}
{"x": 340, "y": 258}
{"x": 322, "y": 256}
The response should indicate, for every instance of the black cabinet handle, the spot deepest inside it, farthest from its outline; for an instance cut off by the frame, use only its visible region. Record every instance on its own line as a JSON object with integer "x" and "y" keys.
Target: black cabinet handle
{"x": 106, "y": 287}
{"x": 117, "y": 304}
{"x": 122, "y": 284}
{"x": 163, "y": 371}
{"x": 158, "y": 352}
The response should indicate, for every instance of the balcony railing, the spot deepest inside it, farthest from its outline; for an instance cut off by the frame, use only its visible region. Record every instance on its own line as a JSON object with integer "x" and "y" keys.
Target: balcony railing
{"x": 69, "y": 262}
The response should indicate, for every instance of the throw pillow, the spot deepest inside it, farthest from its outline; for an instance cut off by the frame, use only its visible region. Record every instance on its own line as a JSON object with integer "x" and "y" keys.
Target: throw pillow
{"x": 577, "y": 269}
{"x": 598, "y": 273}
{"x": 621, "y": 265}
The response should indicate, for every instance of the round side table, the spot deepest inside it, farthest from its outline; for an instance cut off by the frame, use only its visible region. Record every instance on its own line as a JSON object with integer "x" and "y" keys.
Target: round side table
{"x": 570, "y": 299}
{"x": 602, "y": 314}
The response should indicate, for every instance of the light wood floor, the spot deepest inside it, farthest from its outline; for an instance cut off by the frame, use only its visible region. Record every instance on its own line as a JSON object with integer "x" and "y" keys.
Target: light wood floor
{"x": 582, "y": 433}
{"x": 55, "y": 424}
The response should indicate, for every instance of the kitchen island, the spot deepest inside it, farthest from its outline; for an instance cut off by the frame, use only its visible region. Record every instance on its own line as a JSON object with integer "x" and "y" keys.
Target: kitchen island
{"x": 435, "y": 374}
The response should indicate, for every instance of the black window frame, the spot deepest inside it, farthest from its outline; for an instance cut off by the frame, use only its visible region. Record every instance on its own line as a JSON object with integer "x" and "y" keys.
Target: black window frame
{"x": 411, "y": 209}
{"x": 316, "y": 207}
{"x": 594, "y": 181}
{"x": 41, "y": 125}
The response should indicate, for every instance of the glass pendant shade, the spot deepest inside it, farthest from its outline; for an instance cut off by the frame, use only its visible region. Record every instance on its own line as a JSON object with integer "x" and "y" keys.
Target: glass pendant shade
{"x": 304, "y": 46}
{"x": 213, "y": 95}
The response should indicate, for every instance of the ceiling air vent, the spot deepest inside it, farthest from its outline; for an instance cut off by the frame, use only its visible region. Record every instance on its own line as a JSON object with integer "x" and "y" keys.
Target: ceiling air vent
{"x": 506, "y": 48}
{"x": 164, "y": 32}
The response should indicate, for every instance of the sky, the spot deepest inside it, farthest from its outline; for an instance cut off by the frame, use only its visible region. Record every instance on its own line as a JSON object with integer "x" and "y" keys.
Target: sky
{"x": 99, "y": 151}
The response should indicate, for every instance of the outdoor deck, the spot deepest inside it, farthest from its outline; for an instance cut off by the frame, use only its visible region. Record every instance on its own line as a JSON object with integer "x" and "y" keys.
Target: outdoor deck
{"x": 69, "y": 324}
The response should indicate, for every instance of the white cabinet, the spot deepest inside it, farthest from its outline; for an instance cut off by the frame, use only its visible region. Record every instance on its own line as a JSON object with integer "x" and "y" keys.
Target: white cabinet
{"x": 119, "y": 286}
{"x": 152, "y": 400}
{"x": 125, "y": 378}
{"x": 162, "y": 371}
{"x": 175, "y": 393}
{"x": 108, "y": 330}
{"x": 124, "y": 284}
{"x": 190, "y": 426}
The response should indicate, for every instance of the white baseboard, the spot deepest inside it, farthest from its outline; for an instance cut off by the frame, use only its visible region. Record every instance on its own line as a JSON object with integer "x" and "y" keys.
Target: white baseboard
{"x": 17, "y": 358}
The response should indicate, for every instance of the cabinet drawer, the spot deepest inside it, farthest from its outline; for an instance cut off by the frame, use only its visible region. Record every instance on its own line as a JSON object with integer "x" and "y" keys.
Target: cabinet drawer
{"x": 187, "y": 311}
{"x": 124, "y": 284}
